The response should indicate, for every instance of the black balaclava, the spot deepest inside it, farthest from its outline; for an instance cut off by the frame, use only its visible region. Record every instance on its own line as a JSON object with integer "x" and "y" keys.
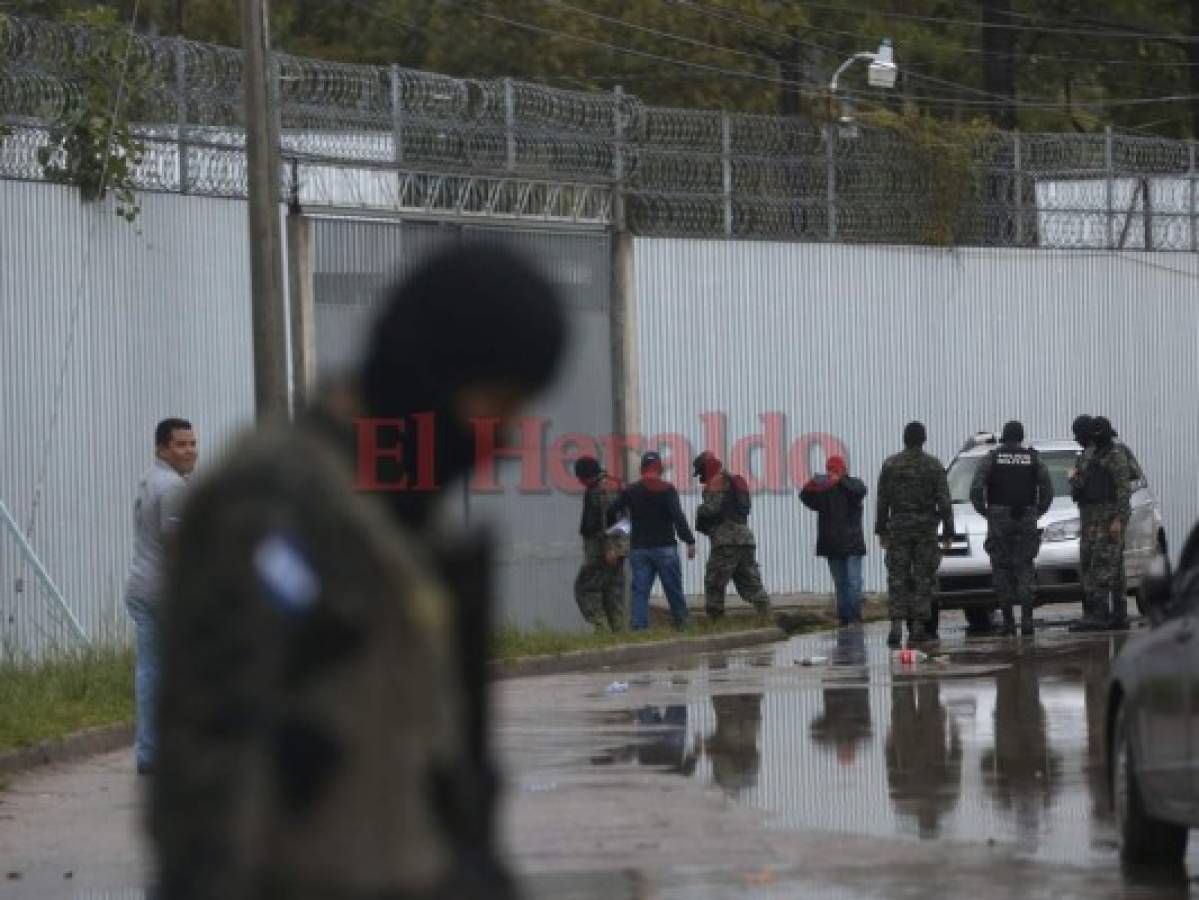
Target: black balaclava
{"x": 470, "y": 315}
{"x": 914, "y": 435}
{"x": 705, "y": 466}
{"x": 1102, "y": 432}
{"x": 1013, "y": 433}
{"x": 586, "y": 468}
{"x": 1082, "y": 429}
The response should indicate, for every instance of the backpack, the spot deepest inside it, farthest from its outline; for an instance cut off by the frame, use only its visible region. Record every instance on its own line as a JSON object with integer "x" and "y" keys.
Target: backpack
{"x": 737, "y": 503}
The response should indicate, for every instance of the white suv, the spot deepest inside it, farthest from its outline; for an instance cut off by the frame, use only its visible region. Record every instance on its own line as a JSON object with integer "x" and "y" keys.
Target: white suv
{"x": 964, "y": 577}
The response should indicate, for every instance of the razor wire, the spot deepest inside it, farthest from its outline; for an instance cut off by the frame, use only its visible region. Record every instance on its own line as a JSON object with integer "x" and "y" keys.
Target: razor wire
{"x": 684, "y": 172}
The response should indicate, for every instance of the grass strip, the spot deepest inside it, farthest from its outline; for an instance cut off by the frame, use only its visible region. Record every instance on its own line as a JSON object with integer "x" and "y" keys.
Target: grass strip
{"x": 52, "y": 699}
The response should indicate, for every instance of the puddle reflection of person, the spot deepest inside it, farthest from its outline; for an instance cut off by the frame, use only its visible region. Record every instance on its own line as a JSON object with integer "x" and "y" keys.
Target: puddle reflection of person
{"x": 924, "y": 756}
{"x": 845, "y": 722}
{"x": 665, "y": 747}
{"x": 733, "y": 745}
{"x": 1020, "y": 771}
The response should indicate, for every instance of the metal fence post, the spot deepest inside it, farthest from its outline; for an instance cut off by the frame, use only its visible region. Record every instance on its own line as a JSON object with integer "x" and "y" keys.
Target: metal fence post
{"x": 830, "y": 149}
{"x": 510, "y": 125}
{"x": 1109, "y": 165}
{"x": 726, "y": 171}
{"x": 181, "y": 135}
{"x": 275, "y": 82}
{"x": 1191, "y": 202}
{"x": 1018, "y": 183}
{"x": 1147, "y": 206}
{"x": 397, "y": 114}
{"x": 618, "y": 218}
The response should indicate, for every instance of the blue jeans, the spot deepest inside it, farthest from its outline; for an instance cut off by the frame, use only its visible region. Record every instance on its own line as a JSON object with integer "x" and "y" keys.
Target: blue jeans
{"x": 145, "y": 678}
{"x": 664, "y": 563}
{"x": 847, "y": 576}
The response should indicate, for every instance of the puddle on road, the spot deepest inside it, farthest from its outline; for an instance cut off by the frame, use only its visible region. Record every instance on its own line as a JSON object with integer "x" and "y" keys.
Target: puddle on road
{"x": 1004, "y": 743}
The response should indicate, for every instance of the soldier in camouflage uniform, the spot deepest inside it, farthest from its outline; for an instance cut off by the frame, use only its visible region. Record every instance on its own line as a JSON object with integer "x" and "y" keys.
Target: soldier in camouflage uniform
{"x": 1082, "y": 433}
{"x": 1012, "y": 490}
{"x": 324, "y": 723}
{"x": 599, "y": 586}
{"x": 723, "y": 517}
{"x": 913, "y": 496}
{"x": 1102, "y": 487}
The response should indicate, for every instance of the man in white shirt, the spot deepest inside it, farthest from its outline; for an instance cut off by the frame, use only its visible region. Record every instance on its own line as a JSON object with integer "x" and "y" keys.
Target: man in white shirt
{"x": 156, "y": 517}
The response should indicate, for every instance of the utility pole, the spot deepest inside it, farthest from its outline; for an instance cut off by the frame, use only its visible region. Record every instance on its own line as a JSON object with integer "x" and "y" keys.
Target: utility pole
{"x": 268, "y": 303}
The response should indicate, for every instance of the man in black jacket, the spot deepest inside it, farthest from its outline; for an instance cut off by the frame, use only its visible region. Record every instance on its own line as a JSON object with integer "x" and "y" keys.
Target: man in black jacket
{"x": 837, "y": 499}
{"x": 656, "y": 516}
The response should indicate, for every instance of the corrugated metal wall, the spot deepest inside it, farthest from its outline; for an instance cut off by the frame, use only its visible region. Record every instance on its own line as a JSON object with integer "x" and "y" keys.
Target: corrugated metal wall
{"x": 854, "y": 341}
{"x": 160, "y": 317}
{"x": 538, "y": 550}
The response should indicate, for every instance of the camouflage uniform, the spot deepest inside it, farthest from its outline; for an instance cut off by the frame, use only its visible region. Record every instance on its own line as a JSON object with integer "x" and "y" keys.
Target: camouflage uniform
{"x": 1013, "y": 539}
{"x": 1135, "y": 474}
{"x": 599, "y": 587}
{"x": 732, "y": 555}
{"x": 1102, "y": 487}
{"x": 318, "y": 737}
{"x": 913, "y": 496}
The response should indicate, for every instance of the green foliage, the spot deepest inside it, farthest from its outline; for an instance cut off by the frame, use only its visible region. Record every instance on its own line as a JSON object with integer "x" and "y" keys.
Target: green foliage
{"x": 948, "y": 152}
{"x": 93, "y": 146}
{"x": 1065, "y": 66}
{"x": 76, "y": 691}
{"x": 4, "y": 129}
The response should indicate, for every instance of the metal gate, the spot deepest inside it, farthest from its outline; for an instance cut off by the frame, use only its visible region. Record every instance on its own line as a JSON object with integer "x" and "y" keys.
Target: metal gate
{"x": 355, "y": 259}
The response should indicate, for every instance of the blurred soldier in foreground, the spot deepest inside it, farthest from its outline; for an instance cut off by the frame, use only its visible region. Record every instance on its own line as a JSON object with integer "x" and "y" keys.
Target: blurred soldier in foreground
{"x": 599, "y": 587}
{"x": 1102, "y": 487}
{"x": 1012, "y": 490}
{"x": 323, "y": 709}
{"x": 723, "y": 516}
{"x": 913, "y": 496}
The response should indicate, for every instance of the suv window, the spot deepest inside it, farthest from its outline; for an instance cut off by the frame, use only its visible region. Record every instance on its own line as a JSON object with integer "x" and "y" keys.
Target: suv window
{"x": 1059, "y": 463}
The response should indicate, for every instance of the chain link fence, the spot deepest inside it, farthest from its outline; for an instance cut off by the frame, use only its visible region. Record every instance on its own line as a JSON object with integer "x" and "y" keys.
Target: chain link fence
{"x": 504, "y": 147}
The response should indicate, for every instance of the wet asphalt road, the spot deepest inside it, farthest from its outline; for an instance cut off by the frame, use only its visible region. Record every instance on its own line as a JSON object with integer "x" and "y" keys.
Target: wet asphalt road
{"x": 743, "y": 775}
{"x": 747, "y": 775}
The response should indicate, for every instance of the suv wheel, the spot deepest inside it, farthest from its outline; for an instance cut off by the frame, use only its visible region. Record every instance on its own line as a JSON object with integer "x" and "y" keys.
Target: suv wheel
{"x": 1143, "y": 839}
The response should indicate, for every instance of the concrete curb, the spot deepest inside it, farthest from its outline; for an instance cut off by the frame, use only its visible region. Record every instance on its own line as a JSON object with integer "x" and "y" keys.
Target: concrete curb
{"x": 73, "y": 747}
{"x": 590, "y": 660}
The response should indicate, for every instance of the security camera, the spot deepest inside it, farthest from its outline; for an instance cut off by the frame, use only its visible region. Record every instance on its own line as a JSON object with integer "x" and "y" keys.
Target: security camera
{"x": 882, "y": 74}
{"x": 883, "y": 71}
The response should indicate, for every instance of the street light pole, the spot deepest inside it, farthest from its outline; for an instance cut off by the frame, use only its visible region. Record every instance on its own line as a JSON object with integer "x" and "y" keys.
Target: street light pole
{"x": 882, "y": 72}
{"x": 268, "y": 303}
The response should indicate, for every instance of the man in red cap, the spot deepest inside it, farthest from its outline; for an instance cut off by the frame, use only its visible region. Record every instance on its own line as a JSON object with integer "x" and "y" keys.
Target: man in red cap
{"x": 837, "y": 500}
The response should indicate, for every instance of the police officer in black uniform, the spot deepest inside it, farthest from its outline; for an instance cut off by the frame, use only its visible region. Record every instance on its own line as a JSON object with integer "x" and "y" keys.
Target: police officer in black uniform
{"x": 1012, "y": 489}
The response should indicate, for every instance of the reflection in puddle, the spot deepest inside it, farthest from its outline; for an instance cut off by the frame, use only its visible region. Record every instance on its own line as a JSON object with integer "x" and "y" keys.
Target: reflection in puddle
{"x": 924, "y": 756}
{"x": 1004, "y": 743}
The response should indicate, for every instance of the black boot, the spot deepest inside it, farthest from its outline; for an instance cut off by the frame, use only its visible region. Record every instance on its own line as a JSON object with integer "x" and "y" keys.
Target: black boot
{"x": 1009, "y": 621}
{"x": 1093, "y": 618}
{"x": 1026, "y": 626}
{"x": 916, "y": 633}
{"x": 895, "y": 638}
{"x": 1119, "y": 617}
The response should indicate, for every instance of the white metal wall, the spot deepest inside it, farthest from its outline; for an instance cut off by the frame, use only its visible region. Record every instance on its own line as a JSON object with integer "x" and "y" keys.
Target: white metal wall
{"x": 538, "y": 550}
{"x": 855, "y": 341}
{"x": 160, "y": 317}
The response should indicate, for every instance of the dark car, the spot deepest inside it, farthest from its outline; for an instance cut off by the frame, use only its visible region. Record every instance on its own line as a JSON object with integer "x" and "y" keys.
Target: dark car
{"x": 1153, "y": 721}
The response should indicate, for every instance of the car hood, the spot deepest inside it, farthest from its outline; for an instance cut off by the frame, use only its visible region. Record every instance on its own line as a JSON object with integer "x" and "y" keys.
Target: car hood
{"x": 967, "y": 521}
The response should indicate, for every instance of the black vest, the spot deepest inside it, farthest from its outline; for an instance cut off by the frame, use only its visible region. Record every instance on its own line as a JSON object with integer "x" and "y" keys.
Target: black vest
{"x": 1013, "y": 478}
{"x": 1098, "y": 484}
